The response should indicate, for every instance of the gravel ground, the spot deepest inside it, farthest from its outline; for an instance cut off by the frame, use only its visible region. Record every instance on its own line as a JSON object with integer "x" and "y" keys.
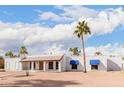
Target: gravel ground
{"x": 64, "y": 79}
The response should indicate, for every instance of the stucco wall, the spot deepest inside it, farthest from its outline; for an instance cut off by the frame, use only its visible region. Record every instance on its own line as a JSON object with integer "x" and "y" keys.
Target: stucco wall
{"x": 13, "y": 64}
{"x": 102, "y": 66}
{"x": 114, "y": 63}
{"x": 103, "y": 62}
{"x": 106, "y": 63}
{"x": 63, "y": 63}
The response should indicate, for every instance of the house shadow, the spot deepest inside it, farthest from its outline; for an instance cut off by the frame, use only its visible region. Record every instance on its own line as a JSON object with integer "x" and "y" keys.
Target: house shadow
{"x": 112, "y": 66}
{"x": 41, "y": 83}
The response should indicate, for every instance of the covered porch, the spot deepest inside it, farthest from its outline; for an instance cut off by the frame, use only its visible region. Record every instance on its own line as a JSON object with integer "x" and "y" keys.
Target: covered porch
{"x": 43, "y": 63}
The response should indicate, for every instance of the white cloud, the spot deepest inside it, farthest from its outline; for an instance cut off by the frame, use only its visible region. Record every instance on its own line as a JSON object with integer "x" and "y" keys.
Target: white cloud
{"x": 54, "y": 49}
{"x": 54, "y": 17}
{"x": 14, "y": 35}
{"x": 70, "y": 14}
{"x": 48, "y": 15}
{"x": 76, "y": 12}
{"x": 108, "y": 49}
{"x": 100, "y": 22}
{"x": 106, "y": 21}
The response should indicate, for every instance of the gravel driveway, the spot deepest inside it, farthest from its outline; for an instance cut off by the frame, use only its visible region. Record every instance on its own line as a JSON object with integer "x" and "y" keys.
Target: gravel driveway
{"x": 64, "y": 79}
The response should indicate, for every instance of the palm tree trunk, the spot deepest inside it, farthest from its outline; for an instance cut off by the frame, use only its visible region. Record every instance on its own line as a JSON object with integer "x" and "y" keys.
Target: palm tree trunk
{"x": 84, "y": 56}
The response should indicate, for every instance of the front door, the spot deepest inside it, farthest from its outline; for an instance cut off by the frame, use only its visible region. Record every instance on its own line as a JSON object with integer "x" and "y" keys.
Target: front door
{"x": 50, "y": 65}
{"x": 40, "y": 65}
{"x": 57, "y": 65}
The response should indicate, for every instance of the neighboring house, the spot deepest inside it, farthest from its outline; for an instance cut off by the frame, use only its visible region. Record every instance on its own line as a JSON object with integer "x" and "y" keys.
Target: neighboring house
{"x": 59, "y": 63}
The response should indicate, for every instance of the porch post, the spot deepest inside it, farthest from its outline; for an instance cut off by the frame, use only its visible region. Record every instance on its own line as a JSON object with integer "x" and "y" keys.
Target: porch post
{"x": 54, "y": 65}
{"x": 37, "y": 66}
{"x": 44, "y": 66}
{"x": 32, "y": 65}
{"x": 59, "y": 69}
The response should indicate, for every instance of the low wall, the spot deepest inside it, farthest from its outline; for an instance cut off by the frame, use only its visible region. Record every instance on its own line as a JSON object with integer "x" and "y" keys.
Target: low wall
{"x": 12, "y": 64}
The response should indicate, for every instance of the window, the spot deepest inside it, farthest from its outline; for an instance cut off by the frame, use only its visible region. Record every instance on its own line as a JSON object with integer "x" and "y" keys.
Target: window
{"x": 74, "y": 66}
{"x": 40, "y": 65}
{"x": 50, "y": 65}
{"x": 57, "y": 64}
{"x": 94, "y": 67}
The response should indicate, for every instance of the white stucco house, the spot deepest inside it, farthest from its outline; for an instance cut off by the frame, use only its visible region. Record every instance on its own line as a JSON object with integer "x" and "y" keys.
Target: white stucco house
{"x": 60, "y": 63}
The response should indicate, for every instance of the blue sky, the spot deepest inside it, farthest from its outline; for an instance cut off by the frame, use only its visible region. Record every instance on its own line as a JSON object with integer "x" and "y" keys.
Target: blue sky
{"x": 50, "y": 17}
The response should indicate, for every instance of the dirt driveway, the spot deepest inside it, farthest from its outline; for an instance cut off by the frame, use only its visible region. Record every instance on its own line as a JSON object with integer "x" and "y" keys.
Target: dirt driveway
{"x": 64, "y": 79}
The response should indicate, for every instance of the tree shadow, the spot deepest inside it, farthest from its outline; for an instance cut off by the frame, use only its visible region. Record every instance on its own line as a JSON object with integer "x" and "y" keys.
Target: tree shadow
{"x": 23, "y": 76}
{"x": 41, "y": 83}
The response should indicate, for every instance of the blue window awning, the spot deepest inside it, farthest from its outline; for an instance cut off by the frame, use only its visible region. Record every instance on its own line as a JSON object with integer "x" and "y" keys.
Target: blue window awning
{"x": 74, "y": 62}
{"x": 94, "y": 62}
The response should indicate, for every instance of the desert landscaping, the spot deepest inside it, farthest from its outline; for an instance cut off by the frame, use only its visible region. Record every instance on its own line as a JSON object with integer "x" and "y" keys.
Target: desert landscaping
{"x": 63, "y": 79}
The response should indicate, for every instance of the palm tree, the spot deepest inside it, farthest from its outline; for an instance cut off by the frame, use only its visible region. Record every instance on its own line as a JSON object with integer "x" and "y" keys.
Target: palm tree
{"x": 82, "y": 29}
{"x": 75, "y": 51}
{"x": 98, "y": 53}
{"x": 22, "y": 52}
{"x": 9, "y": 54}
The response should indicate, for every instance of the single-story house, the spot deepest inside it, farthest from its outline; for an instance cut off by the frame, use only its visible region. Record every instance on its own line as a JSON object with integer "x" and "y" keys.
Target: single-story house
{"x": 59, "y": 63}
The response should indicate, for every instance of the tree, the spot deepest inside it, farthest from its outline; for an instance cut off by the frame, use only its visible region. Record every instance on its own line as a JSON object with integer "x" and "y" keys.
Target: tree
{"x": 75, "y": 51}
{"x": 98, "y": 53}
{"x": 9, "y": 54}
{"x": 23, "y": 51}
{"x": 82, "y": 29}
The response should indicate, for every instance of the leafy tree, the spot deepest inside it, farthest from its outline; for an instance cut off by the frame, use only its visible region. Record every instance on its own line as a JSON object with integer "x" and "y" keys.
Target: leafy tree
{"x": 9, "y": 54}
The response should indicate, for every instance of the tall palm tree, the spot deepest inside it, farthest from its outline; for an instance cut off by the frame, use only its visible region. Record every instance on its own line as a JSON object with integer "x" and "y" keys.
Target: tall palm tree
{"x": 82, "y": 29}
{"x": 75, "y": 51}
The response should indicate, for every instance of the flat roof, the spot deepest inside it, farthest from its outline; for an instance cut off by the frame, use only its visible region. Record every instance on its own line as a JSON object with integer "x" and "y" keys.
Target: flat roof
{"x": 43, "y": 58}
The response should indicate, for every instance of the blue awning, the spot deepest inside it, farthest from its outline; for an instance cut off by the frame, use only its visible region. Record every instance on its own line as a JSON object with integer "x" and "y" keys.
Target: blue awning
{"x": 94, "y": 62}
{"x": 74, "y": 62}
